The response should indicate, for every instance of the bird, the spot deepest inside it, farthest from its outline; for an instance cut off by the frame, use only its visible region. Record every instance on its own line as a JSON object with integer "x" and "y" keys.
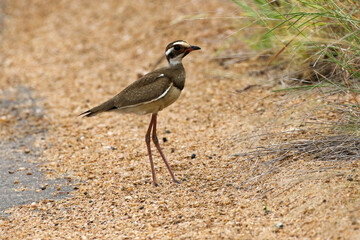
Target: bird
{"x": 150, "y": 94}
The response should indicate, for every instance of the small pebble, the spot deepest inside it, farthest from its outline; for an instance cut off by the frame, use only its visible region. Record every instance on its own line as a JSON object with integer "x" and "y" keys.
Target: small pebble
{"x": 28, "y": 173}
{"x": 279, "y": 225}
{"x": 3, "y": 119}
{"x": 111, "y": 148}
{"x": 128, "y": 198}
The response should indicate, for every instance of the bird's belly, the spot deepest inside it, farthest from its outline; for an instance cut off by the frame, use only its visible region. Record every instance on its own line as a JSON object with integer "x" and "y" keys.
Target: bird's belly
{"x": 156, "y": 105}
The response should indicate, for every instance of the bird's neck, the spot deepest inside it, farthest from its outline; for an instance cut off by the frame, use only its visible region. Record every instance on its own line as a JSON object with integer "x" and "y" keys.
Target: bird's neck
{"x": 175, "y": 61}
{"x": 179, "y": 67}
{"x": 178, "y": 75}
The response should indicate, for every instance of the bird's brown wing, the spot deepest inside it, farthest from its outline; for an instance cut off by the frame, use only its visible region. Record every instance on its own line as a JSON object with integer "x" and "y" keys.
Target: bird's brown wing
{"x": 149, "y": 87}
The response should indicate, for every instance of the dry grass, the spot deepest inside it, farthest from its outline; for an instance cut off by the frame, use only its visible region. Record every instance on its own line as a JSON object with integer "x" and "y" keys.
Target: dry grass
{"x": 329, "y": 148}
{"x": 332, "y": 151}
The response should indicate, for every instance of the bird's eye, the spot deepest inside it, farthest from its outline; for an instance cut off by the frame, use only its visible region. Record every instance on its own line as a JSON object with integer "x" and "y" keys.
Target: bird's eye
{"x": 177, "y": 47}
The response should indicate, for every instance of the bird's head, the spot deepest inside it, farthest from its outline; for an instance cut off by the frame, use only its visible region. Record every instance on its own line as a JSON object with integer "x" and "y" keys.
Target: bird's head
{"x": 177, "y": 50}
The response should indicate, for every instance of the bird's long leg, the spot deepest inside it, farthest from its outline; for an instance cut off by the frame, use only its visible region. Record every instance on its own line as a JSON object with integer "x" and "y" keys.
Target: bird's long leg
{"x": 147, "y": 140}
{"x": 156, "y": 142}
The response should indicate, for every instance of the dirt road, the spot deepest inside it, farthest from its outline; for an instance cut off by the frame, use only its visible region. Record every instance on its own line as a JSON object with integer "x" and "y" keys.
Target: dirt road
{"x": 73, "y": 55}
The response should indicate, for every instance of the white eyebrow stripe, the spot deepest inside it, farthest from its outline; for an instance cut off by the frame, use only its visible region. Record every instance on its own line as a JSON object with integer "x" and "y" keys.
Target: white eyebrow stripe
{"x": 182, "y": 44}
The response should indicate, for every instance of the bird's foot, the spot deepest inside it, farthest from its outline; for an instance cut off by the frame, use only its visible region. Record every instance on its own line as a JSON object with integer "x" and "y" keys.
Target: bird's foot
{"x": 177, "y": 181}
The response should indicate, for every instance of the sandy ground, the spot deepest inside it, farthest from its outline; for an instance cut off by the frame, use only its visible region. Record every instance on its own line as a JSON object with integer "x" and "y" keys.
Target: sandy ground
{"x": 76, "y": 54}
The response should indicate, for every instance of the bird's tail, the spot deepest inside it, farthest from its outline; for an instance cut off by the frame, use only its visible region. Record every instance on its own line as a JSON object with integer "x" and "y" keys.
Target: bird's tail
{"x": 104, "y": 107}
{"x": 88, "y": 113}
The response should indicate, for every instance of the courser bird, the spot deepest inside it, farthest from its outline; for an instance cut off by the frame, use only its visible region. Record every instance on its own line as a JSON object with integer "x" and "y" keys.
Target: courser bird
{"x": 150, "y": 94}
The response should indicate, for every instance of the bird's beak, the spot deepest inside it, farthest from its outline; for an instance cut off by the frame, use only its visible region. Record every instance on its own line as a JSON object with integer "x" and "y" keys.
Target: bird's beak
{"x": 192, "y": 48}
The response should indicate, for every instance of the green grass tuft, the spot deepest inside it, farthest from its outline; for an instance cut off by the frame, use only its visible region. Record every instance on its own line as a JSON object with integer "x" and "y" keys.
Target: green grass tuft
{"x": 320, "y": 39}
